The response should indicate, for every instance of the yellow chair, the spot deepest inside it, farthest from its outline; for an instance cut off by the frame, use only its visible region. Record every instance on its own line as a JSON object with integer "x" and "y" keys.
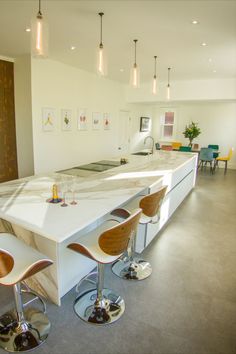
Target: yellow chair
{"x": 225, "y": 159}
{"x": 176, "y": 145}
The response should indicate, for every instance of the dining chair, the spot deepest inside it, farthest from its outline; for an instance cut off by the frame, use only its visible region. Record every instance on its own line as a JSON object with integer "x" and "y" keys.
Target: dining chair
{"x": 214, "y": 147}
{"x": 166, "y": 147}
{"x": 176, "y": 145}
{"x": 206, "y": 156}
{"x": 185, "y": 148}
{"x": 225, "y": 159}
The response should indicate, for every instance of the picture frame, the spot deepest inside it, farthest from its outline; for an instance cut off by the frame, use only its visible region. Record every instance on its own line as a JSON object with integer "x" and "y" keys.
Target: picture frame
{"x": 106, "y": 121}
{"x": 145, "y": 124}
{"x": 96, "y": 120}
{"x": 66, "y": 119}
{"x": 48, "y": 119}
{"x": 82, "y": 119}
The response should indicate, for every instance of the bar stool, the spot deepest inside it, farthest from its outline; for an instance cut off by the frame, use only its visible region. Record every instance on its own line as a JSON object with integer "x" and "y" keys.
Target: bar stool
{"x": 21, "y": 329}
{"x": 129, "y": 266}
{"x": 104, "y": 245}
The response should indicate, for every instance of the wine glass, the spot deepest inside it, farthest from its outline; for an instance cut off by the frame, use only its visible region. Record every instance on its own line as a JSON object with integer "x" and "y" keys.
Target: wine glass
{"x": 73, "y": 190}
{"x": 64, "y": 189}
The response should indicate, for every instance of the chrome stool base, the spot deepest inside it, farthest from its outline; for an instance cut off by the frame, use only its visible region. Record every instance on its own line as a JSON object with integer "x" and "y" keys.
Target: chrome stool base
{"x": 102, "y": 312}
{"x": 136, "y": 269}
{"x": 26, "y": 335}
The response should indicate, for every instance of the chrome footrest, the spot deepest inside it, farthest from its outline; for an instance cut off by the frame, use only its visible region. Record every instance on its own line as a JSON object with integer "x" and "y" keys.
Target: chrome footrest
{"x": 99, "y": 312}
{"x": 135, "y": 269}
{"x": 26, "y": 335}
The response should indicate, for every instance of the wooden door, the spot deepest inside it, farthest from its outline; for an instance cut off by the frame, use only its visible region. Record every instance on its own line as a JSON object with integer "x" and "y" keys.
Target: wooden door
{"x": 8, "y": 155}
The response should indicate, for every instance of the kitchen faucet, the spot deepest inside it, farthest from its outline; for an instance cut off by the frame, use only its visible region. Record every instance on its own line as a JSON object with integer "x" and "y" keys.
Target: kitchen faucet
{"x": 150, "y": 137}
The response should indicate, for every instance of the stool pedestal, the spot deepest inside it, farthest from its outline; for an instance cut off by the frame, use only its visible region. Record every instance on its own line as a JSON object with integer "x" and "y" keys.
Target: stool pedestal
{"x": 23, "y": 329}
{"x": 130, "y": 267}
{"x": 99, "y": 306}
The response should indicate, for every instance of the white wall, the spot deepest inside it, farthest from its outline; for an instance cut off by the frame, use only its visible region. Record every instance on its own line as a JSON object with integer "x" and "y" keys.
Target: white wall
{"x": 60, "y": 86}
{"x": 23, "y": 116}
{"x": 192, "y": 90}
{"x": 217, "y": 121}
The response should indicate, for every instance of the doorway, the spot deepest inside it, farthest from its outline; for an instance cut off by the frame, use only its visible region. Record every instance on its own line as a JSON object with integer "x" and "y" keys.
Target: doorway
{"x": 8, "y": 154}
{"x": 124, "y": 132}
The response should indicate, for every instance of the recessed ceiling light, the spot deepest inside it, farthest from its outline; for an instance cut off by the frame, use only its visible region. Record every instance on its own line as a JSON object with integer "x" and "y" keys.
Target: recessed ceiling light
{"x": 214, "y": 71}
{"x": 195, "y": 22}
{"x": 121, "y": 70}
{"x": 28, "y": 30}
{"x": 72, "y": 47}
{"x": 204, "y": 44}
{"x": 210, "y": 60}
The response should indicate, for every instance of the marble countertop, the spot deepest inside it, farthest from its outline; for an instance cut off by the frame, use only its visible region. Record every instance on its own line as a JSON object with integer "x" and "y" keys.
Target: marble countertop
{"x": 23, "y": 201}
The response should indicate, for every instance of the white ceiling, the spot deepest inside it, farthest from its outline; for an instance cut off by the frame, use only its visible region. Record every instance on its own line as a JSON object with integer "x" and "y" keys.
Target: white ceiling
{"x": 163, "y": 28}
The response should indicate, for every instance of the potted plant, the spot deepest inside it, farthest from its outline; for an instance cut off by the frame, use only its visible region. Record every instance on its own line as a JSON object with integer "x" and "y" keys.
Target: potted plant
{"x": 191, "y": 132}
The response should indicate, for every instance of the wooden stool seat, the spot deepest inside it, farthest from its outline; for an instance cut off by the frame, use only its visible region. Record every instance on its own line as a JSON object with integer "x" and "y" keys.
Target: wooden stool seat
{"x": 104, "y": 245}
{"x": 19, "y": 261}
{"x": 131, "y": 267}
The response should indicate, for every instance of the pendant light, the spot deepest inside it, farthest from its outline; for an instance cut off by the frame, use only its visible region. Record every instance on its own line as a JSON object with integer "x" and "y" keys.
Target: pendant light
{"x": 134, "y": 77}
{"x": 101, "y": 61}
{"x": 154, "y": 82}
{"x": 39, "y": 35}
{"x": 168, "y": 86}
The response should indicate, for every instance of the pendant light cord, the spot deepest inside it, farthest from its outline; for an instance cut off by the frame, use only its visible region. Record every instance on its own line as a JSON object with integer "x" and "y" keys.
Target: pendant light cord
{"x": 155, "y": 67}
{"x": 135, "y": 44}
{"x": 169, "y": 77}
{"x": 101, "y": 44}
{"x": 39, "y": 12}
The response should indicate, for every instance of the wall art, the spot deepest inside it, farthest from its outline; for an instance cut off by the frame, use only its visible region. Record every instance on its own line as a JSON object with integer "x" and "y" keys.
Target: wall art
{"x": 82, "y": 120}
{"x": 48, "y": 119}
{"x": 66, "y": 119}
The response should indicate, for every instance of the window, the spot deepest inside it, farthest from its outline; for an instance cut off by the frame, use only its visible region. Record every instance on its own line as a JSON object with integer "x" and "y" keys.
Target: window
{"x": 168, "y": 124}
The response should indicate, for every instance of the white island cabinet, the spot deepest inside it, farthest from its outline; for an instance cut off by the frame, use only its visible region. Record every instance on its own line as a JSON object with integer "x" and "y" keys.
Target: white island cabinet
{"x": 50, "y": 228}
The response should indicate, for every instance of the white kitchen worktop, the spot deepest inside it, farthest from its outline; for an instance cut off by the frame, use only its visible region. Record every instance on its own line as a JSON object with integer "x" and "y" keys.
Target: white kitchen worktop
{"x": 23, "y": 201}
{"x": 49, "y": 228}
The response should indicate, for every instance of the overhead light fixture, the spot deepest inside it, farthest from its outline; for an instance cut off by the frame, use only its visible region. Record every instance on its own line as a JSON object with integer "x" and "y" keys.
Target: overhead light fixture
{"x": 204, "y": 44}
{"x": 39, "y": 35}
{"x": 101, "y": 64}
{"x": 168, "y": 86}
{"x": 214, "y": 71}
{"x": 72, "y": 47}
{"x": 154, "y": 82}
{"x": 135, "y": 77}
{"x": 28, "y": 30}
{"x": 195, "y": 22}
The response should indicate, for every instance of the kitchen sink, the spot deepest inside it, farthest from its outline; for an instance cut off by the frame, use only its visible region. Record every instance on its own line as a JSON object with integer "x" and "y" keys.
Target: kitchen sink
{"x": 141, "y": 153}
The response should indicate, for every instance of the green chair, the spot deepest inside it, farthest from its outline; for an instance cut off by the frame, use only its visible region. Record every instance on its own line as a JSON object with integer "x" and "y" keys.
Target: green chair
{"x": 185, "y": 148}
{"x": 206, "y": 156}
{"x": 214, "y": 147}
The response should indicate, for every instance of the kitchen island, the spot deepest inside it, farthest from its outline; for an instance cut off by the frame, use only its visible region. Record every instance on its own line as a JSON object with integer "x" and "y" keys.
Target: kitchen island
{"x": 50, "y": 228}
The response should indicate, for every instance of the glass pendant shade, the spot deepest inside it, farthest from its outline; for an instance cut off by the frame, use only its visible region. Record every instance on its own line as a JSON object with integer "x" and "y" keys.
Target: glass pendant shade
{"x": 101, "y": 61}
{"x": 101, "y": 54}
{"x": 154, "y": 85}
{"x": 168, "y": 92}
{"x": 135, "y": 76}
{"x": 168, "y": 86}
{"x": 154, "y": 81}
{"x": 135, "y": 73}
{"x": 39, "y": 36}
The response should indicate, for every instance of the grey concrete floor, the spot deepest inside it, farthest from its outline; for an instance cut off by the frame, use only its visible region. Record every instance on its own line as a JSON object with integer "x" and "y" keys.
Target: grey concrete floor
{"x": 188, "y": 305}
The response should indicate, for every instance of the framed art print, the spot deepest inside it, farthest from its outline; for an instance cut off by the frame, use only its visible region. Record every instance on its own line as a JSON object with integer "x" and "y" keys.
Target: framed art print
{"x": 66, "y": 119}
{"x": 48, "y": 119}
{"x": 82, "y": 120}
{"x": 145, "y": 124}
